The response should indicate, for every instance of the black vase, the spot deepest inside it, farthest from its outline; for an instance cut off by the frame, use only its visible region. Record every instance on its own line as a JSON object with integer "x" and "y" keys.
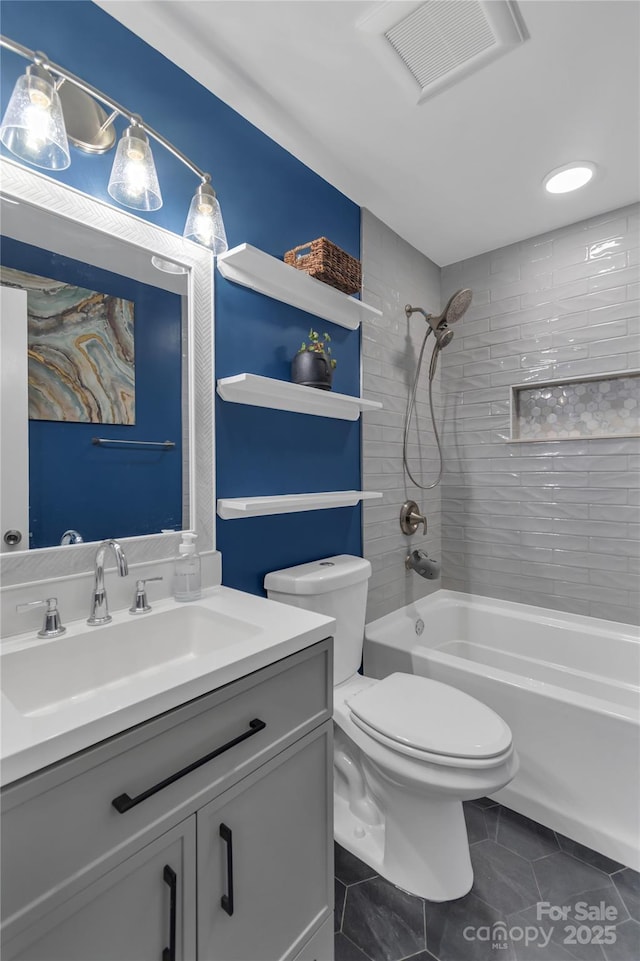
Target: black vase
{"x": 312, "y": 369}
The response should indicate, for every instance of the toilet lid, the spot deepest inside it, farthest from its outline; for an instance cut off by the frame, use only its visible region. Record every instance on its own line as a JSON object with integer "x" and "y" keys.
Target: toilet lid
{"x": 429, "y": 716}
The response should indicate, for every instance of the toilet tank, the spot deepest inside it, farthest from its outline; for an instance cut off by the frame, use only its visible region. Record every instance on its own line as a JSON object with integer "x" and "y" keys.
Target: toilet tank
{"x": 337, "y": 587}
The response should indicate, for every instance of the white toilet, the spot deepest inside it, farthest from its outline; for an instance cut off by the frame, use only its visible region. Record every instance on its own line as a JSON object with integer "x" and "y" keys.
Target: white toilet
{"x": 408, "y": 750}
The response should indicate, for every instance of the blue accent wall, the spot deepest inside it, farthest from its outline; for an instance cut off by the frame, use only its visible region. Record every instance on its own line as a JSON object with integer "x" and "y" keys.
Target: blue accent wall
{"x": 268, "y": 199}
{"x": 116, "y": 492}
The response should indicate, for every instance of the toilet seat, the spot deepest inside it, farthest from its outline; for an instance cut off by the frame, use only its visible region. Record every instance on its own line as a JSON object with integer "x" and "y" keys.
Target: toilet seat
{"x": 438, "y": 760}
{"x": 427, "y": 720}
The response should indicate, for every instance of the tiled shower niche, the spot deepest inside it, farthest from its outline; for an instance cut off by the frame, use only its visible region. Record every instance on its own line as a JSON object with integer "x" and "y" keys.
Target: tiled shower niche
{"x": 604, "y": 406}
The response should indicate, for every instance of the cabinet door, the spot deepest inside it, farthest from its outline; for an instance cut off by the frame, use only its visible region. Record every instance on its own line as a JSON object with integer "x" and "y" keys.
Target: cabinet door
{"x": 265, "y": 857}
{"x": 142, "y": 910}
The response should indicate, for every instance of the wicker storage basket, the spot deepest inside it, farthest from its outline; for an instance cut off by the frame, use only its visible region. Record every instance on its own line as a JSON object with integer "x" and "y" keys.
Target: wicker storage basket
{"x": 326, "y": 262}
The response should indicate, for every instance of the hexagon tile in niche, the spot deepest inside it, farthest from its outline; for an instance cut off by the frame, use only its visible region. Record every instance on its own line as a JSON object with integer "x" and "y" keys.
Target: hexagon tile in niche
{"x": 603, "y": 407}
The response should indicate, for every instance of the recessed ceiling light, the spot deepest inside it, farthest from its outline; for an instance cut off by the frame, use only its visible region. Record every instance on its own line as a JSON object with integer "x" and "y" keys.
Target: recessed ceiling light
{"x": 569, "y": 177}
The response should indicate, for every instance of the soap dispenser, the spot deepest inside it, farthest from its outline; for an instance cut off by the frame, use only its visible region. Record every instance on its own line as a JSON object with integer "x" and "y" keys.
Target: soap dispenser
{"x": 186, "y": 578}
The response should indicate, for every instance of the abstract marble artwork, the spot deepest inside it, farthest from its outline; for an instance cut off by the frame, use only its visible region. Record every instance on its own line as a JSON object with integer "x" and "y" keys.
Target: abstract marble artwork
{"x": 607, "y": 406}
{"x": 81, "y": 352}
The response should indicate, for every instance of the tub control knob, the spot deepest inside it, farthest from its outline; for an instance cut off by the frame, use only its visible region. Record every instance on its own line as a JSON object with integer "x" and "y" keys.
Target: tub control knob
{"x": 411, "y": 518}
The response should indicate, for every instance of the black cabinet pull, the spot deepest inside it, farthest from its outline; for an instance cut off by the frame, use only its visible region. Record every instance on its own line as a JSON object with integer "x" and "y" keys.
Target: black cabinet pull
{"x": 226, "y": 901}
{"x": 171, "y": 878}
{"x": 124, "y": 802}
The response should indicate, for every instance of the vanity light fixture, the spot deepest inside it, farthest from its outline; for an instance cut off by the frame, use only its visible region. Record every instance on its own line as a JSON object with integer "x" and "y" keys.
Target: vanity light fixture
{"x": 204, "y": 220}
{"x": 51, "y": 107}
{"x": 569, "y": 177}
{"x": 33, "y": 126}
{"x": 134, "y": 181}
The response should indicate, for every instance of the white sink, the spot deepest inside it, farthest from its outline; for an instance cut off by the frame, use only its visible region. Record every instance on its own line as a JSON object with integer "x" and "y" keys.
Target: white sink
{"x": 86, "y": 661}
{"x": 62, "y": 695}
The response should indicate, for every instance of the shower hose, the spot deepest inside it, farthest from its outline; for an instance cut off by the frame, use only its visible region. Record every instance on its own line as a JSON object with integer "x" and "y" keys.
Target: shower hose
{"x": 432, "y": 371}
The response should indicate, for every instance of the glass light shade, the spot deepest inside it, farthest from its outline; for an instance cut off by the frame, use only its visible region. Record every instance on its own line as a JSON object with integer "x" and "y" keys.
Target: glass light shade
{"x": 204, "y": 223}
{"x": 134, "y": 181}
{"x": 33, "y": 126}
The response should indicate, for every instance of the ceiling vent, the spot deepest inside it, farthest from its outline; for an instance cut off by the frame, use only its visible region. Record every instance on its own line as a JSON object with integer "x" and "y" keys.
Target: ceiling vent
{"x": 432, "y": 45}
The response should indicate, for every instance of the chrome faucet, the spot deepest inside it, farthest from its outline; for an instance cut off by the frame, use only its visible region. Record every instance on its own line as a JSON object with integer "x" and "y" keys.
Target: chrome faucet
{"x": 99, "y": 609}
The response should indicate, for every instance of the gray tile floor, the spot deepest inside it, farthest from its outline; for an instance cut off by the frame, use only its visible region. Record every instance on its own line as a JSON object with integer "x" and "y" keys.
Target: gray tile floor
{"x": 518, "y": 866}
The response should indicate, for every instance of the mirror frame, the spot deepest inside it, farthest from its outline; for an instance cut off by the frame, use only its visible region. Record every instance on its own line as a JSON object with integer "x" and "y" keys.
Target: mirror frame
{"x": 23, "y": 185}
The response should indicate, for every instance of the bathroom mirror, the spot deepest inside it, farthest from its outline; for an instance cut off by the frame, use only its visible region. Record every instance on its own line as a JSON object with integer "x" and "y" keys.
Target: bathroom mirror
{"x": 115, "y": 253}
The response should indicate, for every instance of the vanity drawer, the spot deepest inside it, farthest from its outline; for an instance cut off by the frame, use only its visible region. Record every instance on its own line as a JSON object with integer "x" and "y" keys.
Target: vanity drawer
{"x": 60, "y": 826}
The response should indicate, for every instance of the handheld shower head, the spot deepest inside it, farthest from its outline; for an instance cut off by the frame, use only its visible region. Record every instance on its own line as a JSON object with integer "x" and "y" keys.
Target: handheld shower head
{"x": 443, "y": 335}
{"x": 439, "y": 326}
{"x": 457, "y": 305}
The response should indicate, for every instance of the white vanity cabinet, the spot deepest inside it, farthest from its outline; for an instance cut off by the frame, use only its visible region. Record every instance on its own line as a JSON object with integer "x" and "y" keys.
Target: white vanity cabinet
{"x": 263, "y": 858}
{"x": 153, "y": 878}
{"x": 143, "y": 908}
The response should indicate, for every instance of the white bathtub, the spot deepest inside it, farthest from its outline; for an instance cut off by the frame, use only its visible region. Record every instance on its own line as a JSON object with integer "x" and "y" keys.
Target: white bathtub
{"x": 567, "y": 685}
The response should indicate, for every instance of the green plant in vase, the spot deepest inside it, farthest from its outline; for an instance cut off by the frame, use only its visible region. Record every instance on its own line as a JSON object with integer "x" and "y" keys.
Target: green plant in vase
{"x": 313, "y": 365}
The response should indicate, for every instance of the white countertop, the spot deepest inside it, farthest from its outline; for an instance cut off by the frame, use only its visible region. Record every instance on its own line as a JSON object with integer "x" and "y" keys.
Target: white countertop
{"x": 34, "y": 738}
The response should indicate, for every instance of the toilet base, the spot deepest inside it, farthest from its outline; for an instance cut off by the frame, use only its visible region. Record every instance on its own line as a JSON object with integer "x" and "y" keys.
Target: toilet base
{"x": 438, "y": 869}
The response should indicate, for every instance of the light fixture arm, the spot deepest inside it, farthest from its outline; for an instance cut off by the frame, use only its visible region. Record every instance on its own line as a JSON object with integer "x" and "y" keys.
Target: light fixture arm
{"x": 41, "y": 60}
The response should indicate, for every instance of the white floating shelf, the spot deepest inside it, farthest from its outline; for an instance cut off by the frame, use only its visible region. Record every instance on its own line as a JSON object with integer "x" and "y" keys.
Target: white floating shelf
{"x": 254, "y": 268}
{"x": 261, "y": 391}
{"x": 230, "y": 507}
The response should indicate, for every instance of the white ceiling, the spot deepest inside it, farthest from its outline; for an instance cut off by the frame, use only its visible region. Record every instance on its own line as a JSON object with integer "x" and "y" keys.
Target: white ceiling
{"x": 457, "y": 175}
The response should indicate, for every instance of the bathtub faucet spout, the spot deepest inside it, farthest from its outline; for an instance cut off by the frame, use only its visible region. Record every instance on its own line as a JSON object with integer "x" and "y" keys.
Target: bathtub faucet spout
{"x": 423, "y": 565}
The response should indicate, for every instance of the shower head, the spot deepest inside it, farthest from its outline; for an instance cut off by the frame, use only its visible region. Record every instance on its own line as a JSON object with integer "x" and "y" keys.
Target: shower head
{"x": 457, "y": 305}
{"x": 443, "y": 335}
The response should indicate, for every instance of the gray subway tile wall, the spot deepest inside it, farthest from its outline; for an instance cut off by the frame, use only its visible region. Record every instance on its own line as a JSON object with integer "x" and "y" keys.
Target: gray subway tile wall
{"x": 550, "y": 523}
{"x": 395, "y": 274}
